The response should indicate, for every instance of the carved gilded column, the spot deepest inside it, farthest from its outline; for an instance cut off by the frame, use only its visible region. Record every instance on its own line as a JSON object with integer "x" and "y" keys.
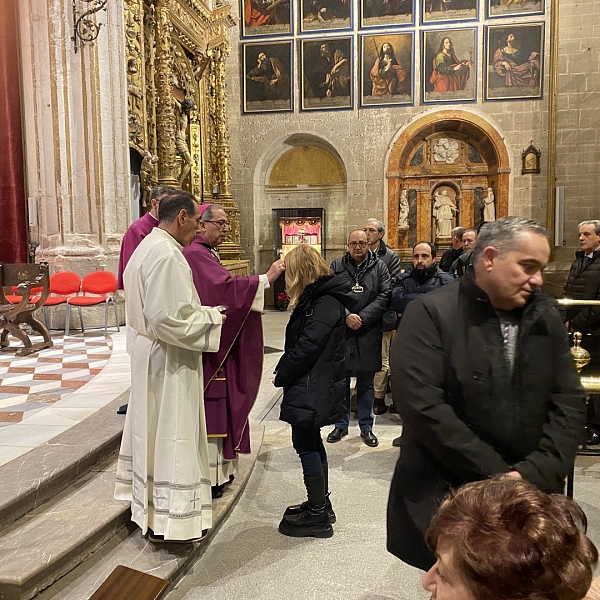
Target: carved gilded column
{"x": 165, "y": 114}
{"x": 231, "y": 248}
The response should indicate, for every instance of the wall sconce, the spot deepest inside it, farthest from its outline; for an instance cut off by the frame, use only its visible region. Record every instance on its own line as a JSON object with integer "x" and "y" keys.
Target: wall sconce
{"x": 85, "y": 29}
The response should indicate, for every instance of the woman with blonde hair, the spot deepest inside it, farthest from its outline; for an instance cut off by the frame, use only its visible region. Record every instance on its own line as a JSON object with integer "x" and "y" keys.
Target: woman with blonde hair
{"x": 313, "y": 376}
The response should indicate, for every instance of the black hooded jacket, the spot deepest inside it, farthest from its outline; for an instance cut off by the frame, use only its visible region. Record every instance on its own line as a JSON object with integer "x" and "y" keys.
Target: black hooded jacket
{"x": 312, "y": 370}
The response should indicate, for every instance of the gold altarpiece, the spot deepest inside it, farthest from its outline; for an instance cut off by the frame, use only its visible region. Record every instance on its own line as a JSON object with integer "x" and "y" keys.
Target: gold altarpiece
{"x": 176, "y": 52}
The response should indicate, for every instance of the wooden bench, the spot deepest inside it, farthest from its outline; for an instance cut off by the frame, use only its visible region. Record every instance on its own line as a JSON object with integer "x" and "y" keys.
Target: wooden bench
{"x": 23, "y": 277}
{"x": 125, "y": 583}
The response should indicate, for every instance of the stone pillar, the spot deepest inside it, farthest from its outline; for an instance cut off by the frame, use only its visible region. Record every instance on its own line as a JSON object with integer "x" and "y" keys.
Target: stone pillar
{"x": 74, "y": 106}
{"x": 231, "y": 248}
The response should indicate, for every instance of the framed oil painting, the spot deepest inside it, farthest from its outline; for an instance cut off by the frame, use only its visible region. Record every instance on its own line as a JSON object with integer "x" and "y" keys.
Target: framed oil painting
{"x": 437, "y": 11}
{"x": 386, "y": 62}
{"x": 386, "y": 13}
{"x": 266, "y": 18}
{"x": 327, "y": 73}
{"x": 449, "y": 66}
{"x": 514, "y": 61}
{"x": 267, "y": 77}
{"x": 325, "y": 15}
{"x": 513, "y": 8}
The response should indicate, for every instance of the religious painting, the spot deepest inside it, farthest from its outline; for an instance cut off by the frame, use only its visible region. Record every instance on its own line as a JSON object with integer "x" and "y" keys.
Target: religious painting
{"x": 513, "y": 8}
{"x": 449, "y": 69}
{"x": 300, "y": 230}
{"x": 266, "y": 17}
{"x": 325, "y": 15}
{"x": 267, "y": 77}
{"x": 438, "y": 11}
{"x": 386, "y": 13}
{"x": 386, "y": 69}
{"x": 327, "y": 77}
{"x": 514, "y": 62}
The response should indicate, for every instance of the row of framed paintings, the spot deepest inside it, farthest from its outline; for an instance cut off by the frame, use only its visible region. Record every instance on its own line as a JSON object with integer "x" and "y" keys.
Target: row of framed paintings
{"x": 513, "y": 68}
{"x": 275, "y": 17}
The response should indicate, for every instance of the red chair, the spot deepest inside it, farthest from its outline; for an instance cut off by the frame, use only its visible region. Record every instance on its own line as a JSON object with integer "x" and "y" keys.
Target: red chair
{"x": 104, "y": 285}
{"x": 15, "y": 298}
{"x": 62, "y": 286}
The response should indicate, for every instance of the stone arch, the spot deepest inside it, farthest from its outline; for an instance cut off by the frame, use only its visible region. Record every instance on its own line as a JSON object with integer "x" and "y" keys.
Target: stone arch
{"x": 473, "y": 132}
{"x": 326, "y": 188}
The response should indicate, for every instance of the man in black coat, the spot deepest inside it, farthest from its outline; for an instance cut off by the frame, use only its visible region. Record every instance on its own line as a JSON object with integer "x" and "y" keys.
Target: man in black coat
{"x": 375, "y": 231}
{"x": 371, "y": 283}
{"x": 452, "y": 253}
{"x": 485, "y": 383}
{"x": 583, "y": 283}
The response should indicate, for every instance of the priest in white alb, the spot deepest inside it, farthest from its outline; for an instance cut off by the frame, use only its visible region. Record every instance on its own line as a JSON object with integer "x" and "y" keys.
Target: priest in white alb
{"x": 163, "y": 466}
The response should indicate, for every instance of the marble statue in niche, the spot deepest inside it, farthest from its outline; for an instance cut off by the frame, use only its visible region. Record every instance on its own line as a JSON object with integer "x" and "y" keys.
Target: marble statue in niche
{"x": 403, "y": 210}
{"x": 446, "y": 151}
{"x": 489, "y": 208}
{"x": 444, "y": 211}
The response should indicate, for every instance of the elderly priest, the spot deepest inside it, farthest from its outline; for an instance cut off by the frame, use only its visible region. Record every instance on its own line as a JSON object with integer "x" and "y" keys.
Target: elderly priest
{"x": 163, "y": 465}
{"x": 231, "y": 375}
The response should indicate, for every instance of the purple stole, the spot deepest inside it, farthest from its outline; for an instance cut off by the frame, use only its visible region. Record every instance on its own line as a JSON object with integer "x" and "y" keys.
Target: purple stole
{"x": 137, "y": 231}
{"x": 231, "y": 375}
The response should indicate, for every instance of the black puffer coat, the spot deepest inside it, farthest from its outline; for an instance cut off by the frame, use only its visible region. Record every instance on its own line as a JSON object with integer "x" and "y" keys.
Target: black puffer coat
{"x": 363, "y": 346}
{"x": 312, "y": 370}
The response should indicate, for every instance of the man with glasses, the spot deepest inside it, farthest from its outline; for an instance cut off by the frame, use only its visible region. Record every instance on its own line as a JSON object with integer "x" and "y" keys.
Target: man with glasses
{"x": 231, "y": 375}
{"x": 369, "y": 279}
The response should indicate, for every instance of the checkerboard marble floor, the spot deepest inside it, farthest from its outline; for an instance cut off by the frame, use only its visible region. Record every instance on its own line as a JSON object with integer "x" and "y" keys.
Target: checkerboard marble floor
{"x": 43, "y": 394}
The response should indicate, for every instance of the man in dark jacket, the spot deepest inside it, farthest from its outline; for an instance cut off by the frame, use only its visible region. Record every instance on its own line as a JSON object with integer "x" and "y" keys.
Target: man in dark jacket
{"x": 583, "y": 283}
{"x": 465, "y": 261}
{"x": 452, "y": 253}
{"x": 485, "y": 383}
{"x": 375, "y": 231}
{"x": 425, "y": 276}
{"x": 371, "y": 283}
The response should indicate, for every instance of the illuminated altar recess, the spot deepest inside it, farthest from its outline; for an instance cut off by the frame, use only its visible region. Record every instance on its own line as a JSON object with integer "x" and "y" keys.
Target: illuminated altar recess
{"x": 301, "y": 230}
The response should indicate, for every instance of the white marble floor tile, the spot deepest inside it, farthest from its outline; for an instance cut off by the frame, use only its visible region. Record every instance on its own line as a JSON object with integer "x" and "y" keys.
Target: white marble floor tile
{"x": 60, "y": 415}
{"x": 8, "y": 453}
{"x": 23, "y": 434}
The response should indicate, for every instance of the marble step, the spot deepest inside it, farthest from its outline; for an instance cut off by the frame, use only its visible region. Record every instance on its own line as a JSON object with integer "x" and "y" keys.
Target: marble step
{"x": 125, "y": 545}
{"x": 52, "y": 539}
{"x": 37, "y": 476}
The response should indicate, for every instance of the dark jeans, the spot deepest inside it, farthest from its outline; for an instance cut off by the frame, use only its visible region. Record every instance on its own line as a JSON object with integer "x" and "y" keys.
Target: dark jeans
{"x": 364, "y": 400}
{"x": 308, "y": 444}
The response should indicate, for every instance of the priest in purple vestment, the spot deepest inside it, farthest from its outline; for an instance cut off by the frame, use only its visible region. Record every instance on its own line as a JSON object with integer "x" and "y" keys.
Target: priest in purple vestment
{"x": 139, "y": 229}
{"x": 231, "y": 375}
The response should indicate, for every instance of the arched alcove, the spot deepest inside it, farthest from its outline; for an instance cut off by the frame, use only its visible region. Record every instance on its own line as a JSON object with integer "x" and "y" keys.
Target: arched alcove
{"x": 453, "y": 148}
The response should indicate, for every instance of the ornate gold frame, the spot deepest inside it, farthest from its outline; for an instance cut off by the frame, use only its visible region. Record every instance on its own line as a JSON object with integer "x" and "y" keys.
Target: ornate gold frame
{"x": 176, "y": 50}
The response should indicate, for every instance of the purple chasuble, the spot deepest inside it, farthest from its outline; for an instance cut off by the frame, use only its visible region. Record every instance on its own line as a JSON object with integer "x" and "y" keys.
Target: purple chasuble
{"x": 137, "y": 231}
{"x": 231, "y": 375}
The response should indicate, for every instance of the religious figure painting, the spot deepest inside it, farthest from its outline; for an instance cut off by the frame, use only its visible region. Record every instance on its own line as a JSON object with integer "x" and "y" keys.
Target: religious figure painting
{"x": 267, "y": 77}
{"x": 386, "y": 13}
{"x": 510, "y": 8}
{"x": 449, "y": 70}
{"x": 387, "y": 69}
{"x": 327, "y": 78}
{"x": 436, "y": 11}
{"x": 266, "y": 17}
{"x": 325, "y": 15}
{"x": 514, "y": 56}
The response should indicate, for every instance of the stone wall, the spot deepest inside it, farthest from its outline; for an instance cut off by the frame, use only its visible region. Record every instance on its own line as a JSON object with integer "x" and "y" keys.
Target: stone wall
{"x": 363, "y": 138}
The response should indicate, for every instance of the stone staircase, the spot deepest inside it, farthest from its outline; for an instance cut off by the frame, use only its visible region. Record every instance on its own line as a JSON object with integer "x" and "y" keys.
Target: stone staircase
{"x": 61, "y": 532}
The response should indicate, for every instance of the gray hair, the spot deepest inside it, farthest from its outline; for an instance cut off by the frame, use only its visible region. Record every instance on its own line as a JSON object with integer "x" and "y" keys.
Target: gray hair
{"x": 380, "y": 225}
{"x": 594, "y": 222}
{"x": 172, "y": 204}
{"x": 207, "y": 215}
{"x": 469, "y": 231}
{"x": 457, "y": 232}
{"x": 159, "y": 191}
{"x": 503, "y": 234}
